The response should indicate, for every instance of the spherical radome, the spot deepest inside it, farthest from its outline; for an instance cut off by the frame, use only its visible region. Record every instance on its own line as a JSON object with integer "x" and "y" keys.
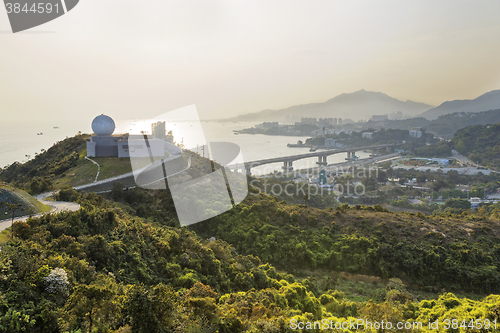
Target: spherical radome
{"x": 103, "y": 125}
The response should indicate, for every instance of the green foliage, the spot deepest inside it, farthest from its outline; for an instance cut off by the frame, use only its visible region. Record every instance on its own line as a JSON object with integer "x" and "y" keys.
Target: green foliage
{"x": 38, "y": 174}
{"x": 440, "y": 149}
{"x": 463, "y": 204}
{"x": 426, "y": 250}
{"x": 480, "y": 144}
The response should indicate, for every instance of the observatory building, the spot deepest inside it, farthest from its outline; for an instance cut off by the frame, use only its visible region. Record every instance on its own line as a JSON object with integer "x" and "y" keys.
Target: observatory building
{"x": 104, "y": 144}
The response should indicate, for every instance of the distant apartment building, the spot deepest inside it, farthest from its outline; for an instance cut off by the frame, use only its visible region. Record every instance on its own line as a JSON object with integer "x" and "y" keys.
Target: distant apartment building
{"x": 332, "y": 143}
{"x": 340, "y": 122}
{"x": 416, "y": 134}
{"x": 396, "y": 115}
{"x": 341, "y": 130}
{"x": 325, "y": 121}
{"x": 268, "y": 125}
{"x": 291, "y": 118}
{"x": 159, "y": 131}
{"x": 367, "y": 135}
{"x": 380, "y": 117}
{"x": 309, "y": 121}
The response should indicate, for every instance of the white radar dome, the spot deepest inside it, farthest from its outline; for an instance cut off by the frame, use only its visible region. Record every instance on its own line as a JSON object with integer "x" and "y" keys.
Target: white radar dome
{"x": 103, "y": 125}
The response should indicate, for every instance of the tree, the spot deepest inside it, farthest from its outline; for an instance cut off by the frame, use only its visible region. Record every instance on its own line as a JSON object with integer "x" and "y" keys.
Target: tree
{"x": 439, "y": 184}
{"x": 151, "y": 310}
{"x": 381, "y": 176}
{"x": 421, "y": 178}
{"x": 457, "y": 203}
{"x": 453, "y": 177}
{"x": 94, "y": 306}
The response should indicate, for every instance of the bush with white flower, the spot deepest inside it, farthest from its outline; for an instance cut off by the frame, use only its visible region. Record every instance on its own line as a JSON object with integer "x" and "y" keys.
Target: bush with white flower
{"x": 57, "y": 282}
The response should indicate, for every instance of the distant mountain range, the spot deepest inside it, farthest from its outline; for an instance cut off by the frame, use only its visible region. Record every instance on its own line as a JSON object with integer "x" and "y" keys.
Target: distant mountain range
{"x": 363, "y": 104}
{"x": 485, "y": 102}
{"x": 358, "y": 105}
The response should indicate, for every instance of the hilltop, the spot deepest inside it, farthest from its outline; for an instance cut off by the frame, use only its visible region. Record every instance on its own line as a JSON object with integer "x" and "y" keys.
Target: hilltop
{"x": 360, "y": 104}
{"x": 63, "y": 164}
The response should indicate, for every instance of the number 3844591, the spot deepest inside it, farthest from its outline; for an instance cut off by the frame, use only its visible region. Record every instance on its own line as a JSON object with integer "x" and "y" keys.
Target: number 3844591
{"x": 36, "y": 8}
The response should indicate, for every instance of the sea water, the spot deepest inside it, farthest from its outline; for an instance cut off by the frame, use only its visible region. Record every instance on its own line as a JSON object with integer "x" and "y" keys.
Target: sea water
{"x": 20, "y": 142}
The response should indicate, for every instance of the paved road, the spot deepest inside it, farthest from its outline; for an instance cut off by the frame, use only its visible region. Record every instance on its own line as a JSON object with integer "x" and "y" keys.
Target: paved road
{"x": 174, "y": 152}
{"x": 468, "y": 170}
{"x": 57, "y": 206}
{"x": 462, "y": 158}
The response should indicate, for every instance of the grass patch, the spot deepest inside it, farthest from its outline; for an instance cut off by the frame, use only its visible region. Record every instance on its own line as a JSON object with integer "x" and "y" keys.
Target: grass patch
{"x": 5, "y": 236}
{"x": 85, "y": 171}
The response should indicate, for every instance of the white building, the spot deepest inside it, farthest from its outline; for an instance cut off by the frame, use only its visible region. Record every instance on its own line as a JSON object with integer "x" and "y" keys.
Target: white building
{"x": 396, "y": 115}
{"x": 416, "y": 134}
{"x": 367, "y": 135}
{"x": 474, "y": 202}
{"x": 329, "y": 142}
{"x": 332, "y": 143}
{"x": 104, "y": 144}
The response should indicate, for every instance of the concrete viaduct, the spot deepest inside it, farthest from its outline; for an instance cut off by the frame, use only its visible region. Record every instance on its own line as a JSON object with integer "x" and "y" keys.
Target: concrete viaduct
{"x": 322, "y": 157}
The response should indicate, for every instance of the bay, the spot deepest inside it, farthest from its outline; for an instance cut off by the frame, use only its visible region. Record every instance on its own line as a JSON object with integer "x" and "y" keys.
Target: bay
{"x": 20, "y": 141}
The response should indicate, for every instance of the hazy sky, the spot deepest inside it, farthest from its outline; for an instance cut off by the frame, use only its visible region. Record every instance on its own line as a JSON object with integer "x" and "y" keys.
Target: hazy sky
{"x": 133, "y": 59}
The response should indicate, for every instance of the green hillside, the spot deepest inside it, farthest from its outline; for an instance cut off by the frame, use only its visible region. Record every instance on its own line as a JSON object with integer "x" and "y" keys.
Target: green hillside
{"x": 30, "y": 205}
{"x": 480, "y": 143}
{"x": 64, "y": 164}
{"x": 38, "y": 174}
{"x": 123, "y": 264}
{"x": 444, "y": 126}
{"x": 104, "y": 269}
{"x": 447, "y": 125}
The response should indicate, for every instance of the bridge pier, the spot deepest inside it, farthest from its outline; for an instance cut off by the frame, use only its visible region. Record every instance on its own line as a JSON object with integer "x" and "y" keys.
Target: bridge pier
{"x": 248, "y": 171}
{"x": 287, "y": 166}
{"x": 351, "y": 155}
{"x": 322, "y": 160}
{"x": 388, "y": 149}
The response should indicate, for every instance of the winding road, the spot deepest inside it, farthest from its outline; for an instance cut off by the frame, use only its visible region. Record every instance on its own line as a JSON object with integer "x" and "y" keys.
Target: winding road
{"x": 57, "y": 206}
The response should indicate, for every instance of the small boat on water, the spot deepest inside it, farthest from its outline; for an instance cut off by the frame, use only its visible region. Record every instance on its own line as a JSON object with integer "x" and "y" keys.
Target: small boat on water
{"x": 56, "y": 127}
{"x": 39, "y": 134}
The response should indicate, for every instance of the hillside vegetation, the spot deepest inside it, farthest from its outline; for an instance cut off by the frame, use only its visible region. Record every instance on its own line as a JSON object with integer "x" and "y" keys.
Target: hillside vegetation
{"x": 64, "y": 164}
{"x": 123, "y": 264}
{"x": 30, "y": 205}
{"x": 38, "y": 174}
{"x": 447, "y": 125}
{"x": 102, "y": 269}
{"x": 480, "y": 143}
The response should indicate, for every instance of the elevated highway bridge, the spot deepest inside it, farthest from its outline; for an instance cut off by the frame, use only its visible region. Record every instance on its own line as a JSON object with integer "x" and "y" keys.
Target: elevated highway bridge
{"x": 322, "y": 157}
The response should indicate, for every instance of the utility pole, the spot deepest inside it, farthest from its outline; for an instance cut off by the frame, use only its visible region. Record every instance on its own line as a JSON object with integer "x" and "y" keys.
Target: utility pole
{"x": 13, "y": 208}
